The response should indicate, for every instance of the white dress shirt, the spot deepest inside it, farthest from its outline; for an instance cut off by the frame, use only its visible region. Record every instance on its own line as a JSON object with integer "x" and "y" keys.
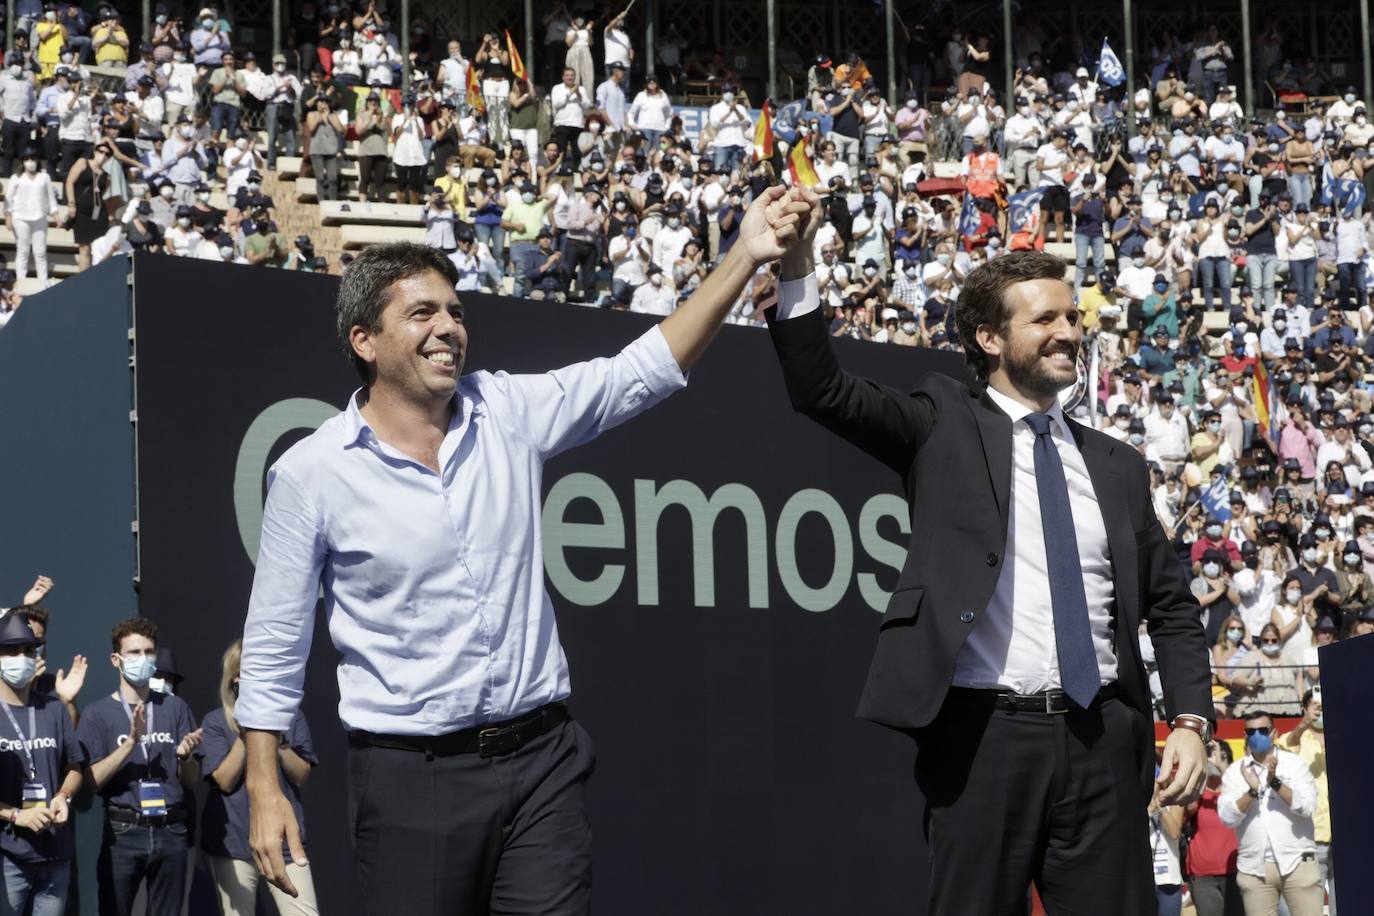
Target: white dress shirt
{"x": 433, "y": 582}
{"x": 1270, "y": 826}
{"x": 1012, "y": 646}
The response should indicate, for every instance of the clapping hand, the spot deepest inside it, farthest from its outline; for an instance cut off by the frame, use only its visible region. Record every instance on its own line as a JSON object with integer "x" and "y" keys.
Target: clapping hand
{"x": 67, "y": 686}
{"x": 190, "y": 742}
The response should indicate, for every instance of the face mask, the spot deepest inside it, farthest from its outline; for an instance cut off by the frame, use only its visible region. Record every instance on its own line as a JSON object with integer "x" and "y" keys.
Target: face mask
{"x": 1214, "y": 531}
{"x": 203, "y": 196}
{"x": 674, "y": 223}
{"x": 187, "y": 131}
{"x": 1242, "y": 327}
{"x": 161, "y": 20}
{"x": 943, "y": 259}
{"x": 870, "y": 271}
{"x": 1234, "y": 634}
{"x": 1214, "y": 427}
{"x": 167, "y": 192}
{"x": 207, "y": 23}
{"x": 527, "y": 197}
{"x": 183, "y": 221}
{"x": 1137, "y": 438}
{"x": 727, "y": 97}
{"x": 1211, "y": 570}
{"x": 1349, "y": 99}
{"x": 226, "y": 252}
{"x": 160, "y": 685}
{"x": 911, "y": 273}
{"x": 629, "y": 232}
{"x": 1352, "y": 558}
{"x": 1323, "y": 534}
{"x": 138, "y": 669}
{"x": 179, "y": 57}
{"x": 17, "y": 670}
{"x": 1260, "y": 744}
{"x": 1280, "y": 325}
{"x": 30, "y": 165}
{"x": 909, "y": 327}
{"x": 50, "y": 15}
{"x": 1318, "y": 723}
{"x": 687, "y": 183}
{"x": 656, "y": 279}
{"x": 1122, "y": 423}
{"x": 241, "y": 143}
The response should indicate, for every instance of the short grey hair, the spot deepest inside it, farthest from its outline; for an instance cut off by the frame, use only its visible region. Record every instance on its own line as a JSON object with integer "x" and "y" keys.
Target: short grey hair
{"x": 364, "y": 288}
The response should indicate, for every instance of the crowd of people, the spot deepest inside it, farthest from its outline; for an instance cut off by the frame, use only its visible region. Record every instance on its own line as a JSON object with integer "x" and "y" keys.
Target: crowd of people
{"x": 137, "y": 757}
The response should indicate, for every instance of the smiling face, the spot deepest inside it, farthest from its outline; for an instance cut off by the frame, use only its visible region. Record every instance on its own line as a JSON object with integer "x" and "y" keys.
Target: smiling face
{"x": 418, "y": 350}
{"x": 1037, "y": 350}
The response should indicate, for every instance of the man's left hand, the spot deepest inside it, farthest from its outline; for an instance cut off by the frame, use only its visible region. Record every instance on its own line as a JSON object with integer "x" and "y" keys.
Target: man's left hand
{"x": 190, "y": 743}
{"x": 1183, "y": 770}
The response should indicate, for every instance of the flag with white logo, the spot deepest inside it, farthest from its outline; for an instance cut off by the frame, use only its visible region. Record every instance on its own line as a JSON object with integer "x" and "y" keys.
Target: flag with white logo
{"x": 1021, "y": 207}
{"x": 1109, "y": 68}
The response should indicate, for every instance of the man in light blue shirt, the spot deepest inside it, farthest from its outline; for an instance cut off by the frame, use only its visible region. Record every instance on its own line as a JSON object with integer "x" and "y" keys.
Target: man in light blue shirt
{"x": 418, "y": 510}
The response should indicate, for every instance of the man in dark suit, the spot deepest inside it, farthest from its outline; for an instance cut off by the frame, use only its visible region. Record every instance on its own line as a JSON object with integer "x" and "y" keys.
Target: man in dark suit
{"x": 1009, "y": 647}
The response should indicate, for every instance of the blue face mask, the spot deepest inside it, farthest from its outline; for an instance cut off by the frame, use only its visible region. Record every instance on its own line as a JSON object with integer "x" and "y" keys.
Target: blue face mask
{"x": 1260, "y": 744}
{"x": 139, "y": 669}
{"x": 17, "y": 670}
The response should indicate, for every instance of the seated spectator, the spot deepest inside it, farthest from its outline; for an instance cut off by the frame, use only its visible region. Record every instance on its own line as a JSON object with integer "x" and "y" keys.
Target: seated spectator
{"x": 263, "y": 243}
{"x": 543, "y": 270}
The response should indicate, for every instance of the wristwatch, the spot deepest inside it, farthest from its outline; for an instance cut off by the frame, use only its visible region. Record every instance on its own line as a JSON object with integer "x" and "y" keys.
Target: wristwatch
{"x": 1194, "y": 724}
{"x": 1275, "y": 783}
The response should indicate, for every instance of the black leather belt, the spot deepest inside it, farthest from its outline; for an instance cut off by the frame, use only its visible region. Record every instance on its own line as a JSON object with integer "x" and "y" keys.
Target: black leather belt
{"x": 126, "y": 816}
{"x": 1046, "y": 702}
{"x": 487, "y": 740}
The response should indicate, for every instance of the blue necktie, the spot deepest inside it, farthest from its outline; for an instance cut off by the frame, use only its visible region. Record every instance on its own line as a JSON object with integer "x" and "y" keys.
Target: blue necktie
{"x": 1078, "y": 672}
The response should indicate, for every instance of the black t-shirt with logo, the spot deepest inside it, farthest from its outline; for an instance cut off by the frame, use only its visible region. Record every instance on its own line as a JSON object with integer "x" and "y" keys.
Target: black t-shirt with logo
{"x": 105, "y": 726}
{"x": 54, "y": 746}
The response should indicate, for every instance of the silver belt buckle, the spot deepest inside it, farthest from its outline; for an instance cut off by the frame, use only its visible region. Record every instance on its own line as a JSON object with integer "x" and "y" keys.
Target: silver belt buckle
{"x": 1049, "y": 705}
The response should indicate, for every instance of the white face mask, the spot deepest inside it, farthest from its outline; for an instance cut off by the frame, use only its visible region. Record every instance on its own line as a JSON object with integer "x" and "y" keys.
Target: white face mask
{"x": 1137, "y": 438}
{"x": 1123, "y": 423}
{"x": 674, "y": 223}
{"x": 203, "y": 196}
{"x": 280, "y": 68}
{"x": 184, "y": 221}
{"x": 656, "y": 279}
{"x": 30, "y": 165}
{"x": 179, "y": 57}
{"x": 911, "y": 273}
{"x": 1293, "y": 595}
{"x": 187, "y": 131}
{"x": 727, "y": 97}
{"x": 1271, "y": 650}
{"x": 16, "y": 71}
{"x": 870, "y": 271}
{"x": 1234, "y": 634}
{"x": 167, "y": 192}
{"x": 226, "y": 252}
{"x": 241, "y": 143}
{"x": 1211, "y": 570}
{"x": 913, "y": 105}
{"x": 943, "y": 259}
{"x": 908, "y": 327}
{"x": 527, "y": 197}
{"x": 1352, "y": 558}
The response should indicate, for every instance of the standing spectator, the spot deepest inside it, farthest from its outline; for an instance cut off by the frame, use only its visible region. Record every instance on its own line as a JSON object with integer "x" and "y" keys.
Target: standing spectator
{"x": 86, "y": 184}
{"x": 210, "y": 41}
{"x": 523, "y": 219}
{"x": 31, "y": 200}
{"x": 651, "y": 113}
{"x": 40, "y": 771}
{"x": 227, "y": 88}
{"x": 616, "y": 43}
{"x": 408, "y": 152}
{"x": 494, "y": 61}
{"x": 224, "y": 829}
{"x": 74, "y": 116}
{"x": 1212, "y": 846}
{"x": 439, "y": 220}
{"x": 325, "y": 130}
{"x": 346, "y": 67}
{"x": 1352, "y": 244}
{"x": 280, "y": 111}
{"x": 524, "y": 115}
{"x": 17, "y": 100}
{"x": 733, "y": 131}
{"x": 52, "y": 38}
{"x": 579, "y": 58}
{"x": 371, "y": 131}
{"x": 180, "y": 77}
{"x": 840, "y": 104}
{"x": 582, "y": 234}
{"x": 1308, "y": 741}
{"x": 140, "y": 744}
{"x": 1302, "y": 236}
{"x": 1215, "y": 56}
{"x": 1214, "y": 254}
{"x": 110, "y": 41}
{"x": 556, "y": 24}
{"x": 656, "y": 297}
{"x": 610, "y": 101}
{"x": 1269, "y": 797}
{"x": 452, "y": 74}
{"x": 570, "y": 105}
{"x": 1090, "y": 211}
{"x": 543, "y": 269}
{"x": 1262, "y": 226}
{"x": 166, "y": 35}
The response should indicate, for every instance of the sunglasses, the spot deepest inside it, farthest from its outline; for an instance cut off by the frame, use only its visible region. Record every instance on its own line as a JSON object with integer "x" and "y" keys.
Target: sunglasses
{"x": 1262, "y": 730}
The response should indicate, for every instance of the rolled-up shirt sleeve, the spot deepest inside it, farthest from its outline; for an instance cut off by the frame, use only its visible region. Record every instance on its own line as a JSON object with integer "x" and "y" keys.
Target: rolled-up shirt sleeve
{"x": 281, "y": 610}
{"x": 1231, "y": 790}
{"x": 566, "y": 407}
{"x": 797, "y": 297}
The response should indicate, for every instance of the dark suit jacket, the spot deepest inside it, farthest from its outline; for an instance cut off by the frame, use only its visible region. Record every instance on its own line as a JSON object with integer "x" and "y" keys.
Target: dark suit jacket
{"x": 951, "y": 445}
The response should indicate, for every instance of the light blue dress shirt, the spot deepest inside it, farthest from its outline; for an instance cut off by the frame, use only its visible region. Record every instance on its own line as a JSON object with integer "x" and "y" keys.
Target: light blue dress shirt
{"x": 433, "y": 583}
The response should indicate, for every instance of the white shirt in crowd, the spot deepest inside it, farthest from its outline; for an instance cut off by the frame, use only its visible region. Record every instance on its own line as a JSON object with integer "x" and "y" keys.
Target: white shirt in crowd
{"x": 617, "y": 43}
{"x": 628, "y": 256}
{"x": 650, "y": 299}
{"x": 30, "y": 196}
{"x": 1271, "y": 827}
{"x": 181, "y": 83}
{"x": 1351, "y": 241}
{"x": 650, "y": 112}
{"x": 732, "y": 123}
{"x": 569, "y": 105}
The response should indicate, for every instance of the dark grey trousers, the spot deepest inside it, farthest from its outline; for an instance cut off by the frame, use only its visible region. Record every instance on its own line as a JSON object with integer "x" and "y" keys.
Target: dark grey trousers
{"x": 470, "y": 835}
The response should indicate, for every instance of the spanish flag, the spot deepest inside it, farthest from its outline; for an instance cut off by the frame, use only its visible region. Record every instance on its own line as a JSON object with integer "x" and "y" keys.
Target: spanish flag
{"x": 799, "y": 166}
{"x": 517, "y": 65}
{"x": 1269, "y": 410}
{"x": 763, "y": 134}
{"x": 475, "y": 100}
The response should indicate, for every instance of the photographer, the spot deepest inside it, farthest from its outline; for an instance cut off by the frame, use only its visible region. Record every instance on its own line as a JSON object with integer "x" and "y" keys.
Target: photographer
{"x": 1089, "y": 213}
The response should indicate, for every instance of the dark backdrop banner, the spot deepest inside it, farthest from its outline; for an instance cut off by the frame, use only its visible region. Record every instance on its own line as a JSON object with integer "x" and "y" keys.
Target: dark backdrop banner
{"x": 719, "y": 566}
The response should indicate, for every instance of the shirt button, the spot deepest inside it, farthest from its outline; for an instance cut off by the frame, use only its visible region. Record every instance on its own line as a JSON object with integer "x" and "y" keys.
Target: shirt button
{"x": 966, "y": 617}
{"x": 992, "y": 559}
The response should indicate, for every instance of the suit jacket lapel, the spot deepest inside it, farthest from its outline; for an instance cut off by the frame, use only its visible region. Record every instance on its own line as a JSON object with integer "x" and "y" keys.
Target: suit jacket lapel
{"x": 994, "y": 429}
